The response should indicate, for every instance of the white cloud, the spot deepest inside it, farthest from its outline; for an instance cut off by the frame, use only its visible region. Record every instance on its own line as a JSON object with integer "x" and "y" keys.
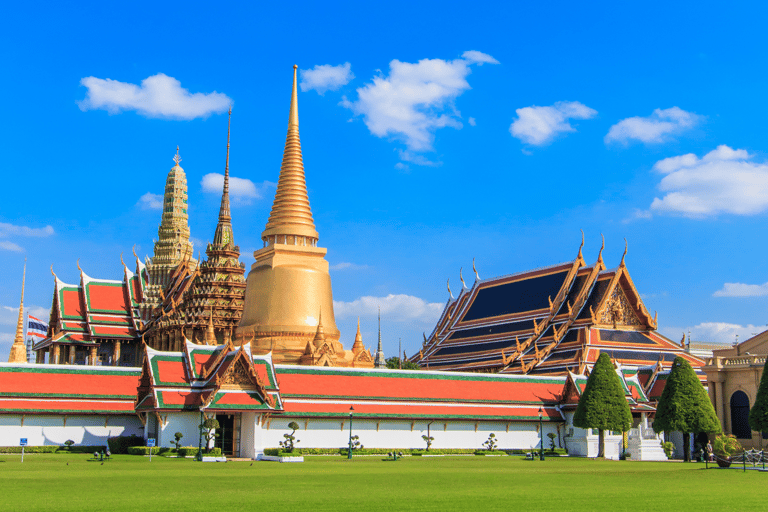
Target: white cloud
{"x": 539, "y": 125}
{"x": 399, "y": 308}
{"x": 654, "y": 129}
{"x": 150, "y": 201}
{"x": 10, "y": 246}
{"x": 742, "y": 290}
{"x": 415, "y": 158}
{"x": 479, "y": 58}
{"x": 11, "y": 230}
{"x": 242, "y": 190}
{"x": 9, "y": 315}
{"x": 158, "y": 96}
{"x": 415, "y": 100}
{"x": 714, "y": 332}
{"x": 325, "y": 77}
{"x": 345, "y": 265}
{"x": 472, "y": 121}
{"x": 723, "y": 181}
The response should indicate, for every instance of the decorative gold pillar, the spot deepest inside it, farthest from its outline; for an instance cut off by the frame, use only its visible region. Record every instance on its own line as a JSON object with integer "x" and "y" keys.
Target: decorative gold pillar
{"x": 54, "y": 356}
{"x": 72, "y": 352}
{"x": 39, "y": 356}
{"x": 94, "y": 355}
{"x": 116, "y": 354}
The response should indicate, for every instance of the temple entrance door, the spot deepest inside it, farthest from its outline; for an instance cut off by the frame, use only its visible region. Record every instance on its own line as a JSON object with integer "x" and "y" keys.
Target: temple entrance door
{"x": 740, "y": 415}
{"x": 225, "y": 439}
{"x": 229, "y": 434}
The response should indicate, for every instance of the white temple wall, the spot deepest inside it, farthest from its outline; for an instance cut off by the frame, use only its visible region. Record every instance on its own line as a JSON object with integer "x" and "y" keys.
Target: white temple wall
{"x": 391, "y": 433}
{"x": 250, "y": 435}
{"x": 44, "y": 430}
{"x": 184, "y": 422}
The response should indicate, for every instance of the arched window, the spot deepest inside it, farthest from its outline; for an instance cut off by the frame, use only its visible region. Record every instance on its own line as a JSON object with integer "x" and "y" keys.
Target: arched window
{"x": 740, "y": 415}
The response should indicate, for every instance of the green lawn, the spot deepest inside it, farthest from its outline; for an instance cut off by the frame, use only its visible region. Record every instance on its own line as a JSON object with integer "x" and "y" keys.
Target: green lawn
{"x": 46, "y": 482}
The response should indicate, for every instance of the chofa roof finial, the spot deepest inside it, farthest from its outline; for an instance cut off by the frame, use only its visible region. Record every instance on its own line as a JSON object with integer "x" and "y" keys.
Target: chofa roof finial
{"x": 625, "y": 253}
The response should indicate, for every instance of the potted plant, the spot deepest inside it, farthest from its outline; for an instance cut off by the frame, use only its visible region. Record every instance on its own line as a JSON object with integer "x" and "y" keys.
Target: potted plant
{"x": 725, "y": 446}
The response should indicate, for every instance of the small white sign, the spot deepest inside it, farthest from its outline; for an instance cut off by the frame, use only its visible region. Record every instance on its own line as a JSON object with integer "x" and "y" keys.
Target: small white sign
{"x": 23, "y": 441}
{"x": 151, "y": 442}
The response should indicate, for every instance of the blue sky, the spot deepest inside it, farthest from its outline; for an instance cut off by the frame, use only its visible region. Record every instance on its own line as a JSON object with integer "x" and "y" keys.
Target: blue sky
{"x": 432, "y": 134}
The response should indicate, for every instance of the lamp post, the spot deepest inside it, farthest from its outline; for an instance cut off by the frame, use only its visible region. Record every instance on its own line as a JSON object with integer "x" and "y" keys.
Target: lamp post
{"x": 349, "y": 452}
{"x": 541, "y": 433}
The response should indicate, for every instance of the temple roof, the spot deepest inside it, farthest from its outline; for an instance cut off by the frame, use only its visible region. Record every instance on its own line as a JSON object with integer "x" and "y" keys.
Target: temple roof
{"x": 323, "y": 391}
{"x": 94, "y": 309}
{"x": 548, "y": 320}
{"x": 207, "y": 378}
{"x": 64, "y": 389}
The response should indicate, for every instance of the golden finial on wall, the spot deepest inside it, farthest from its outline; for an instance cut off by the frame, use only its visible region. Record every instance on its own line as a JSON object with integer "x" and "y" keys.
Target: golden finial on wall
{"x": 448, "y": 283}
{"x": 461, "y": 278}
{"x": 582, "y": 244}
{"x": 477, "y": 277}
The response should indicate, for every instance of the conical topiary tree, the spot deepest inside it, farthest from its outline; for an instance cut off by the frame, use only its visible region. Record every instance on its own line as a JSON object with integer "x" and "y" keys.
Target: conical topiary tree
{"x": 758, "y": 415}
{"x": 684, "y": 406}
{"x": 603, "y": 404}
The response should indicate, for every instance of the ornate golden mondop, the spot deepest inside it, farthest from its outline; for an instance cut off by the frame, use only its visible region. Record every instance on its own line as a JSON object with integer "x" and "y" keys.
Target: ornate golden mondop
{"x": 173, "y": 245}
{"x": 288, "y": 289}
{"x": 212, "y": 304}
{"x": 18, "y": 349}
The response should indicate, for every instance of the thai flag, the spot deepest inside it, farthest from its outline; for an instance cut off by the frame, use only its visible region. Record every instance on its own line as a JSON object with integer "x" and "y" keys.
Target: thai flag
{"x": 36, "y": 327}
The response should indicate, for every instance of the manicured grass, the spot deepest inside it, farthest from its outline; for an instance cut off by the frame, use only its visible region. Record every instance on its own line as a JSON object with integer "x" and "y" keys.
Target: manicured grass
{"x": 46, "y": 482}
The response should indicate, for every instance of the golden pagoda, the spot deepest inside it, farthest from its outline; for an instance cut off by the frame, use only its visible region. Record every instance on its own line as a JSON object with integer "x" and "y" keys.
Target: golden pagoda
{"x": 173, "y": 245}
{"x": 18, "y": 349}
{"x": 288, "y": 297}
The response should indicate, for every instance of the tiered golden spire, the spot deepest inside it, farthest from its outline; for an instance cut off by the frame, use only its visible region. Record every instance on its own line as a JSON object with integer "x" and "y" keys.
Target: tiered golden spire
{"x": 357, "y": 346}
{"x": 291, "y": 215}
{"x": 223, "y": 234}
{"x": 18, "y": 349}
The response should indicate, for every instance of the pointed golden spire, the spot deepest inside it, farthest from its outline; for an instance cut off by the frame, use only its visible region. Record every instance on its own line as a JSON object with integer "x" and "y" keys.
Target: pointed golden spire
{"x": 223, "y": 234}
{"x": 319, "y": 334}
{"x": 18, "y": 349}
{"x": 357, "y": 346}
{"x": 210, "y": 334}
{"x": 291, "y": 214}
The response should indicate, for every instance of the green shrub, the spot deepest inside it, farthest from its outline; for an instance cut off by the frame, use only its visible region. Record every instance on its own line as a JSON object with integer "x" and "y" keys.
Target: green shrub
{"x": 52, "y": 449}
{"x": 274, "y": 452}
{"x": 726, "y": 445}
{"x": 120, "y": 444}
{"x": 668, "y": 447}
{"x": 186, "y": 451}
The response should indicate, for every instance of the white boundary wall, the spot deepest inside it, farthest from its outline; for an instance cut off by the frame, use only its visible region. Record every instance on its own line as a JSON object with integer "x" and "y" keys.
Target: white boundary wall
{"x": 397, "y": 433}
{"x": 45, "y": 430}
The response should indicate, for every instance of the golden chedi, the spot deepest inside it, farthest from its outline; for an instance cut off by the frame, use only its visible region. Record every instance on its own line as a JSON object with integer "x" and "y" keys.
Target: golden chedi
{"x": 288, "y": 299}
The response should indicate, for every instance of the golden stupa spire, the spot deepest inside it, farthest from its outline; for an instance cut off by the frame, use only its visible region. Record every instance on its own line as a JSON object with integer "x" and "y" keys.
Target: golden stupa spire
{"x": 357, "y": 346}
{"x": 223, "y": 234}
{"x": 18, "y": 349}
{"x": 290, "y": 221}
{"x": 210, "y": 334}
{"x": 319, "y": 334}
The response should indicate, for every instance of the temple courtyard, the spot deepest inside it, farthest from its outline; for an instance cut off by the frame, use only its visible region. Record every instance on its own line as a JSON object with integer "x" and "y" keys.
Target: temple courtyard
{"x": 72, "y": 482}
